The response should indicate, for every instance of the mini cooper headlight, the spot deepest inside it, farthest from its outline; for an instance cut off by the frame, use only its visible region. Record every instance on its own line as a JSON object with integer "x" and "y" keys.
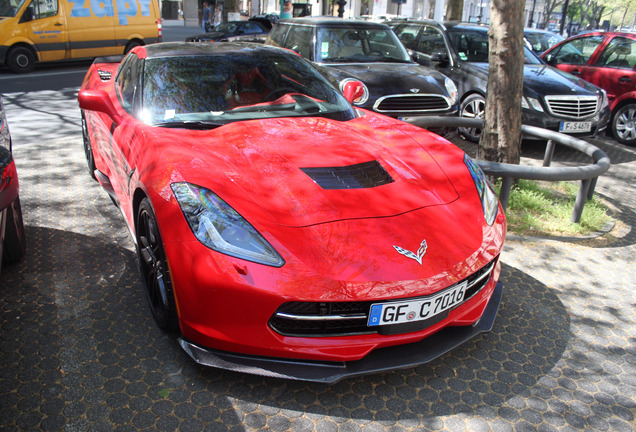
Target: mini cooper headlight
{"x": 362, "y": 99}
{"x": 488, "y": 197}
{"x": 451, "y": 88}
{"x": 220, "y": 227}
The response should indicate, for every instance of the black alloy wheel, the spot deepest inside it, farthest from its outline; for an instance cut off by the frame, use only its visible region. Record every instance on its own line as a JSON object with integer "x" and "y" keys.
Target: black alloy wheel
{"x": 153, "y": 266}
{"x": 88, "y": 148}
{"x": 14, "y": 238}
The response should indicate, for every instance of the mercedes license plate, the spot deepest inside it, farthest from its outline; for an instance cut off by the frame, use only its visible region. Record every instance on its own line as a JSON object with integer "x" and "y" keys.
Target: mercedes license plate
{"x": 418, "y": 309}
{"x": 575, "y": 127}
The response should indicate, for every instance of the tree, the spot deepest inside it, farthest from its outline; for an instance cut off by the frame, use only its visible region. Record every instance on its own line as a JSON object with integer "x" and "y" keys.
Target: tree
{"x": 501, "y": 135}
{"x": 454, "y": 10}
{"x": 550, "y": 5}
{"x": 230, "y": 6}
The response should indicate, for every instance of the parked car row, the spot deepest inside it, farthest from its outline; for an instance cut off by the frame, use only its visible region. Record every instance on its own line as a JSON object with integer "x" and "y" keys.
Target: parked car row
{"x": 444, "y": 71}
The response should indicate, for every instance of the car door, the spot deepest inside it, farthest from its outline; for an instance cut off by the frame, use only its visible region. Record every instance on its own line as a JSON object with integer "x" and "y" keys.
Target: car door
{"x": 45, "y": 24}
{"x": 614, "y": 69}
{"x": 576, "y": 55}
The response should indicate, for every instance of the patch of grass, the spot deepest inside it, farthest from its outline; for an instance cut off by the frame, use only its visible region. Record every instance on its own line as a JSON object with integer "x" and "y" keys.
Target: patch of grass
{"x": 545, "y": 208}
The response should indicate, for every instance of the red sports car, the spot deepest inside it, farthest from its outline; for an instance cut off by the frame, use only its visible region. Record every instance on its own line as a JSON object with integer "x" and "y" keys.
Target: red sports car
{"x": 282, "y": 231}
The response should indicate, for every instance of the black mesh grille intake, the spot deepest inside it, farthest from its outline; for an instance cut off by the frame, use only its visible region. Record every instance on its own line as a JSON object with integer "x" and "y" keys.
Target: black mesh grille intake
{"x": 324, "y": 319}
{"x": 359, "y": 176}
{"x": 411, "y": 103}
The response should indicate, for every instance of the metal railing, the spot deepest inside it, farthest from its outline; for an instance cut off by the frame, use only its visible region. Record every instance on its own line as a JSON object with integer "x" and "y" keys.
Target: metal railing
{"x": 587, "y": 174}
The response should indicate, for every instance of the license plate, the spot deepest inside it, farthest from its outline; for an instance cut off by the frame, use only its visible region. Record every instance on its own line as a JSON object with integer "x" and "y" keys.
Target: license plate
{"x": 575, "y": 127}
{"x": 416, "y": 310}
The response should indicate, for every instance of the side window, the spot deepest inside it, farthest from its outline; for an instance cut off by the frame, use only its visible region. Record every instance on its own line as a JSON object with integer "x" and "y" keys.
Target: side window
{"x": 619, "y": 53}
{"x": 431, "y": 41}
{"x": 408, "y": 36}
{"x": 576, "y": 52}
{"x": 39, "y": 9}
{"x": 127, "y": 81}
{"x": 277, "y": 35}
{"x": 251, "y": 28}
{"x": 299, "y": 40}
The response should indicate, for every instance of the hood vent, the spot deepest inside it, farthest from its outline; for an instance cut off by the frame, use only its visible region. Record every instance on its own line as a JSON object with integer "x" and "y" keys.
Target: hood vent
{"x": 358, "y": 176}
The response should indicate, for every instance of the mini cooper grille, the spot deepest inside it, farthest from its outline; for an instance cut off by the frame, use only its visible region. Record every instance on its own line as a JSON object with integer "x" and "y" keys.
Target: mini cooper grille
{"x": 324, "y": 319}
{"x": 104, "y": 75}
{"x": 411, "y": 103}
{"x": 359, "y": 176}
{"x": 572, "y": 106}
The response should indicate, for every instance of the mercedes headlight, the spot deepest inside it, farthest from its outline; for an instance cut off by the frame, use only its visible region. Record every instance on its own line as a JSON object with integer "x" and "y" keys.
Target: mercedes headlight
{"x": 220, "y": 227}
{"x": 531, "y": 102}
{"x": 487, "y": 195}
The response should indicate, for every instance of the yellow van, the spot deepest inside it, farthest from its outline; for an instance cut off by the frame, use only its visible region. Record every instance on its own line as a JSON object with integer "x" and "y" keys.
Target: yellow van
{"x": 49, "y": 30}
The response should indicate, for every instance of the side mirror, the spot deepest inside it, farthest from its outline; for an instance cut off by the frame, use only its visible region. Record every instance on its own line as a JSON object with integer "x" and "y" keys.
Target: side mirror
{"x": 8, "y": 179}
{"x": 98, "y": 100}
{"x": 353, "y": 90}
{"x": 439, "y": 57}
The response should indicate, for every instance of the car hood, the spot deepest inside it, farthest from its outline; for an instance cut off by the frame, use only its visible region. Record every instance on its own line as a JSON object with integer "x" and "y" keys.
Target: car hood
{"x": 546, "y": 80}
{"x": 389, "y": 78}
{"x": 260, "y": 164}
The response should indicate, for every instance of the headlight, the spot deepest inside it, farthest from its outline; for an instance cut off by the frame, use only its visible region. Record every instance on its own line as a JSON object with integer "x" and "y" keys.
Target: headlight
{"x": 219, "y": 227}
{"x": 531, "y": 102}
{"x": 488, "y": 197}
{"x": 451, "y": 88}
{"x": 362, "y": 99}
{"x": 604, "y": 100}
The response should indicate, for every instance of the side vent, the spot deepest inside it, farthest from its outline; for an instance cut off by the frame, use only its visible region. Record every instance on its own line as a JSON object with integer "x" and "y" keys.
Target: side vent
{"x": 104, "y": 75}
{"x": 358, "y": 176}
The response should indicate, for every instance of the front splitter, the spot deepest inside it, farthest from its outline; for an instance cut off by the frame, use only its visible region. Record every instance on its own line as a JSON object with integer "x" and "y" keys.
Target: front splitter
{"x": 380, "y": 360}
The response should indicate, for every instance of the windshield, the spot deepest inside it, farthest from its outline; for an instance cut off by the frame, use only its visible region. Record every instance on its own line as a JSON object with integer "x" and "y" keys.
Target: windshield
{"x": 218, "y": 89}
{"x": 472, "y": 46}
{"x": 229, "y": 27}
{"x": 346, "y": 45}
{"x": 8, "y": 8}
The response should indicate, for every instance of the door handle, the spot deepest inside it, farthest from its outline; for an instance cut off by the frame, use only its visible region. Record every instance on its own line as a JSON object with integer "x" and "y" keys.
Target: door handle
{"x": 576, "y": 72}
{"x": 58, "y": 24}
{"x": 624, "y": 79}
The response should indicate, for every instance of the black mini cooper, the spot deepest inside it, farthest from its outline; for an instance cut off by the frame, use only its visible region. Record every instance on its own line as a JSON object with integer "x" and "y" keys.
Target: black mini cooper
{"x": 344, "y": 50}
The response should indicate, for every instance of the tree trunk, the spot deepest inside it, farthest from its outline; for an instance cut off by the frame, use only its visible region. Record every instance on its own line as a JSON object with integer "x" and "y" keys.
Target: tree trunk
{"x": 501, "y": 136}
{"x": 230, "y": 6}
{"x": 454, "y": 10}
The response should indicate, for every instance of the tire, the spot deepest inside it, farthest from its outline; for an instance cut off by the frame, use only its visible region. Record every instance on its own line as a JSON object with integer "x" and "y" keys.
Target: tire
{"x": 153, "y": 266}
{"x": 14, "y": 239}
{"x": 474, "y": 106}
{"x": 88, "y": 148}
{"x": 21, "y": 59}
{"x": 624, "y": 125}
{"x": 130, "y": 45}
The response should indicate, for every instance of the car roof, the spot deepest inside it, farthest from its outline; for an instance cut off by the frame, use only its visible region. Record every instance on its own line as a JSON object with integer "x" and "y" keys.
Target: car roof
{"x": 175, "y": 49}
{"x": 332, "y": 22}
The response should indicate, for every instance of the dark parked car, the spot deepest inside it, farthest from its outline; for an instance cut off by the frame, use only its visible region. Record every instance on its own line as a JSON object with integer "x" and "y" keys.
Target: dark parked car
{"x": 608, "y": 60}
{"x": 344, "y": 50}
{"x": 12, "y": 240}
{"x": 540, "y": 40}
{"x": 551, "y": 100}
{"x": 232, "y": 29}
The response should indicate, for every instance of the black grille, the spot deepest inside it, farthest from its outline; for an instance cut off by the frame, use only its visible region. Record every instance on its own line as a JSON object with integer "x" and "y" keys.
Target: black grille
{"x": 575, "y": 107}
{"x": 359, "y": 176}
{"x": 411, "y": 103}
{"x": 323, "y": 319}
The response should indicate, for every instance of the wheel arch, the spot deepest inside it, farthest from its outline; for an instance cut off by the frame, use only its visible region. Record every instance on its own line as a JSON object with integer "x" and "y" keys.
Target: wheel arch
{"x": 470, "y": 93}
{"x": 22, "y": 44}
{"x": 133, "y": 42}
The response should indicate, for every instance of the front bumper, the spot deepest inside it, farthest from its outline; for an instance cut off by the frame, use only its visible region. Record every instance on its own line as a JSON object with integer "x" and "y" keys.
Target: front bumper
{"x": 546, "y": 121}
{"x": 380, "y": 360}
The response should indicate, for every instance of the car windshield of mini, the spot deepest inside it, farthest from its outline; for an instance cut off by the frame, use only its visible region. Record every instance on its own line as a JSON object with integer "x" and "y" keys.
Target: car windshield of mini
{"x": 8, "y": 8}
{"x": 209, "y": 91}
{"x": 472, "y": 46}
{"x": 350, "y": 45}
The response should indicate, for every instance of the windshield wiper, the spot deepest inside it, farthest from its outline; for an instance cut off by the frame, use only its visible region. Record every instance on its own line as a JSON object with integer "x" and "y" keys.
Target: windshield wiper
{"x": 191, "y": 124}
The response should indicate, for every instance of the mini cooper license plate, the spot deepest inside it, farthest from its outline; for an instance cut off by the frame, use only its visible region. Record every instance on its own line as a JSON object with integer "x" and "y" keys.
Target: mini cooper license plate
{"x": 416, "y": 310}
{"x": 575, "y": 127}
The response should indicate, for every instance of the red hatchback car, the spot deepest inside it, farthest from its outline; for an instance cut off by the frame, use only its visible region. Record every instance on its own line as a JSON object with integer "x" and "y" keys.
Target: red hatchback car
{"x": 281, "y": 230}
{"x": 607, "y": 59}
